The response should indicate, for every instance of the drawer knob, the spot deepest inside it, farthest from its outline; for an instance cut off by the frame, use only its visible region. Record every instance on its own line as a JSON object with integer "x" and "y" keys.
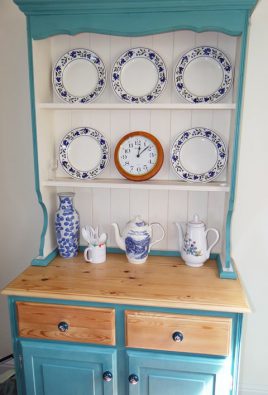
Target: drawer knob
{"x": 63, "y": 326}
{"x": 107, "y": 376}
{"x": 177, "y": 337}
{"x": 133, "y": 379}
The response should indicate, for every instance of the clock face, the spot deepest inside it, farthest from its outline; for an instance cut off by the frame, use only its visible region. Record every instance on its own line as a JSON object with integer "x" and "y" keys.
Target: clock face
{"x": 138, "y": 156}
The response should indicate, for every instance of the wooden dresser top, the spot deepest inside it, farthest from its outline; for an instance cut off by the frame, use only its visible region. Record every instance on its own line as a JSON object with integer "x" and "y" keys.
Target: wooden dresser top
{"x": 161, "y": 281}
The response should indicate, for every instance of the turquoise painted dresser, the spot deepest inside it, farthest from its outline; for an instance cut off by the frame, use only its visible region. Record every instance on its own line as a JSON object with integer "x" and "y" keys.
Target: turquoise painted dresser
{"x": 116, "y": 328}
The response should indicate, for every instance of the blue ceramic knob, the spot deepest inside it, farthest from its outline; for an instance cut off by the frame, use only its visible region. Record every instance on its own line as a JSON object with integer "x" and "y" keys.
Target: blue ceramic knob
{"x": 107, "y": 376}
{"x": 133, "y": 379}
{"x": 177, "y": 337}
{"x": 63, "y": 326}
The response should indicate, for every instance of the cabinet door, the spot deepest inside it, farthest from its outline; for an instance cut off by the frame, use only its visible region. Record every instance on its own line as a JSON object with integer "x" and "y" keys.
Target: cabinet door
{"x": 53, "y": 369}
{"x": 168, "y": 374}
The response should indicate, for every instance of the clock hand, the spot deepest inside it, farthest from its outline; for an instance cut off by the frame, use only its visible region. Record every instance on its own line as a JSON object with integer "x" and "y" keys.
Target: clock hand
{"x": 138, "y": 154}
{"x": 144, "y": 150}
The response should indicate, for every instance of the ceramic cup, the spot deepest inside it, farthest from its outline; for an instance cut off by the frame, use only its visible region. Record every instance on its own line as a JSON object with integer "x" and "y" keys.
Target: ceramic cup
{"x": 95, "y": 254}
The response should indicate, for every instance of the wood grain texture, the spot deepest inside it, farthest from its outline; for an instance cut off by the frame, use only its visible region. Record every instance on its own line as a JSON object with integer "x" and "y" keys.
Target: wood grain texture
{"x": 86, "y": 324}
{"x": 201, "y": 335}
{"x": 161, "y": 281}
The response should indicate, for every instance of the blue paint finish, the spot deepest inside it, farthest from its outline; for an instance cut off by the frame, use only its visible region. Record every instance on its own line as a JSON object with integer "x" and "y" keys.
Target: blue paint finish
{"x": 237, "y": 333}
{"x": 236, "y": 143}
{"x": 44, "y": 261}
{"x": 34, "y": 137}
{"x": 138, "y": 24}
{"x": 51, "y": 369}
{"x": 165, "y": 373}
{"x": 16, "y": 347}
{"x": 232, "y": 275}
{"x": 41, "y": 351}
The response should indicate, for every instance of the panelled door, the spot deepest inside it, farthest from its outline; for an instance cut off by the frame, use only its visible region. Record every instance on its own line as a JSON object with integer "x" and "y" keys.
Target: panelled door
{"x": 53, "y": 369}
{"x": 159, "y": 374}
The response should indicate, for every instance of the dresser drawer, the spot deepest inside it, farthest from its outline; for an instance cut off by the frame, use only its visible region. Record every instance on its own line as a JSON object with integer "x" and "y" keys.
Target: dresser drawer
{"x": 68, "y": 323}
{"x": 177, "y": 332}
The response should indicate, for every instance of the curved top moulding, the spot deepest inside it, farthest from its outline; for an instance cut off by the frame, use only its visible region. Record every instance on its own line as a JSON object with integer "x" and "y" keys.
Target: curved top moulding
{"x": 135, "y": 17}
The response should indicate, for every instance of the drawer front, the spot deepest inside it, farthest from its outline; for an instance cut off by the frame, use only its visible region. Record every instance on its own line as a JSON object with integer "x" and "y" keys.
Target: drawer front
{"x": 68, "y": 323}
{"x": 176, "y": 332}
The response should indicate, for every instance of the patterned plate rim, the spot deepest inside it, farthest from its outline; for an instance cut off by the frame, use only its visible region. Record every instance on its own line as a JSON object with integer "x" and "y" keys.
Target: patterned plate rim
{"x": 132, "y": 53}
{"x": 65, "y": 60}
{"x": 187, "y": 135}
{"x": 204, "y": 51}
{"x": 63, "y": 153}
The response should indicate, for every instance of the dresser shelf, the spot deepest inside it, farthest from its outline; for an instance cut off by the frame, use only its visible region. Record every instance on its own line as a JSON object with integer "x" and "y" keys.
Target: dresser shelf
{"x": 124, "y": 106}
{"x": 116, "y": 183}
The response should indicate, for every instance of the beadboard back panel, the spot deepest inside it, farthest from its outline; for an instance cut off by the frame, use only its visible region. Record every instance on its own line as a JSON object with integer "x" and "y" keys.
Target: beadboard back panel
{"x": 102, "y": 206}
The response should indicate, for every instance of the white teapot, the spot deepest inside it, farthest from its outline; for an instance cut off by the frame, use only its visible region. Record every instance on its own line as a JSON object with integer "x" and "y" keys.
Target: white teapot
{"x": 136, "y": 239}
{"x": 193, "y": 242}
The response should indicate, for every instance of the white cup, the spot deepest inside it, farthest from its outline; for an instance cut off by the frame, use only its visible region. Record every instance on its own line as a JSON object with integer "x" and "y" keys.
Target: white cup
{"x": 95, "y": 254}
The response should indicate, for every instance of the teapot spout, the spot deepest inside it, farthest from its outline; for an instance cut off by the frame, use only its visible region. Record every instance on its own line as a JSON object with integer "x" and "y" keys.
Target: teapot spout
{"x": 119, "y": 240}
{"x": 181, "y": 235}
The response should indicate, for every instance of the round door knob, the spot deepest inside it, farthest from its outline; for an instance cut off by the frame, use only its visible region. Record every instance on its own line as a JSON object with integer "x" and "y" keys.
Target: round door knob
{"x": 177, "y": 337}
{"x": 63, "y": 326}
{"x": 133, "y": 379}
{"x": 107, "y": 376}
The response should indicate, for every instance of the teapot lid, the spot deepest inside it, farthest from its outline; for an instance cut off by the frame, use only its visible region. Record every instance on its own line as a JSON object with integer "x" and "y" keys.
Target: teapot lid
{"x": 196, "y": 221}
{"x": 138, "y": 221}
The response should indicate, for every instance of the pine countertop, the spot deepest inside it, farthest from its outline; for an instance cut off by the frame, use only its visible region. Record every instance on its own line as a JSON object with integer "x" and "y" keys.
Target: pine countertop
{"x": 160, "y": 282}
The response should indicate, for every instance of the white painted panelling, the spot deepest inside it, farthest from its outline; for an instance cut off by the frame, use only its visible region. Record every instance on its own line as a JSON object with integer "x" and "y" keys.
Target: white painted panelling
{"x": 119, "y": 210}
{"x": 160, "y": 128}
{"x": 101, "y": 210}
{"x": 158, "y": 212}
{"x": 177, "y": 212}
{"x": 101, "y": 206}
{"x": 139, "y": 204}
{"x": 198, "y": 204}
{"x": 216, "y": 205}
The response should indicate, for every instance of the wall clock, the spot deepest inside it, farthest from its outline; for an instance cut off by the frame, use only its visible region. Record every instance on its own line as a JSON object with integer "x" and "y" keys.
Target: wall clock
{"x": 138, "y": 156}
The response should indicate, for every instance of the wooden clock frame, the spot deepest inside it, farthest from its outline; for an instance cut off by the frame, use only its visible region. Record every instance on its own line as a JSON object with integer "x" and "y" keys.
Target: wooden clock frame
{"x": 154, "y": 170}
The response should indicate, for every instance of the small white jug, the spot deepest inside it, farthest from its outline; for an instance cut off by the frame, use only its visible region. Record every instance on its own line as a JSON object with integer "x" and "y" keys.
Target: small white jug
{"x": 193, "y": 243}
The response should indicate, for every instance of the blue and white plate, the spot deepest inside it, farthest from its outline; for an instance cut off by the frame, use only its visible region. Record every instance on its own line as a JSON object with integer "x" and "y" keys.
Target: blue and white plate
{"x": 84, "y": 153}
{"x": 203, "y": 75}
{"x": 198, "y": 155}
{"x": 79, "y": 76}
{"x": 139, "y": 75}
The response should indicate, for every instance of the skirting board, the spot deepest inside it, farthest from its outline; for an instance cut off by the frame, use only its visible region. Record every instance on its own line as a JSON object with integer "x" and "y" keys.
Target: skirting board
{"x": 253, "y": 391}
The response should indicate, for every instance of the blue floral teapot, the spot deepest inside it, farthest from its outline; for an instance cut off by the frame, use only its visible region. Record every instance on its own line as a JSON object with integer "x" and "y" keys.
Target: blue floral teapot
{"x": 136, "y": 239}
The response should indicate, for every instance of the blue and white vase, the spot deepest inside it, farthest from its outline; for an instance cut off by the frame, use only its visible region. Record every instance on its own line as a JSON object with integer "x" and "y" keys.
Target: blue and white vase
{"x": 67, "y": 226}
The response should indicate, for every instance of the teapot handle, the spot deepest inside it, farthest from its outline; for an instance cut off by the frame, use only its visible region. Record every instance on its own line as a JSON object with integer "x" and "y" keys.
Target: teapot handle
{"x": 215, "y": 241}
{"x": 161, "y": 238}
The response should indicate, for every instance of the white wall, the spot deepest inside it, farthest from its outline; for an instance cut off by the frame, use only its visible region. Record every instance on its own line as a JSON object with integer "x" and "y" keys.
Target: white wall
{"x": 250, "y": 230}
{"x": 20, "y": 216}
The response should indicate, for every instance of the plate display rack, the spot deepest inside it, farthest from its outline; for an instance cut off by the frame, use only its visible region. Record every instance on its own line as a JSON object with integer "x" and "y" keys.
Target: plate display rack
{"x": 108, "y": 30}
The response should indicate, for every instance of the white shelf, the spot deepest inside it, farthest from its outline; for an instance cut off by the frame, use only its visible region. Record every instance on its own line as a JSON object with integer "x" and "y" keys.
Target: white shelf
{"x": 125, "y": 106}
{"x": 113, "y": 183}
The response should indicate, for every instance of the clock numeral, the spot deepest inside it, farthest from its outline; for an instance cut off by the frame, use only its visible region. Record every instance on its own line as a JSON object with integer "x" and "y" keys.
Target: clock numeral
{"x": 137, "y": 142}
{"x": 126, "y": 163}
{"x": 124, "y": 157}
{"x": 145, "y": 167}
{"x": 130, "y": 145}
{"x": 127, "y": 151}
{"x": 152, "y": 154}
{"x": 138, "y": 169}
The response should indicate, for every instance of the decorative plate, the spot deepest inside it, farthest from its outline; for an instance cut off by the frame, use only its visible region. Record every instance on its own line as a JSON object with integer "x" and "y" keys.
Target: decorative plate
{"x": 79, "y": 76}
{"x": 84, "y": 153}
{"x": 198, "y": 155}
{"x": 203, "y": 75}
{"x": 139, "y": 75}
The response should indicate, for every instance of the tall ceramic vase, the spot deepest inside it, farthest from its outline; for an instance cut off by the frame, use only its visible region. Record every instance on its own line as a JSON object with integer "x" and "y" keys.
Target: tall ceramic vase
{"x": 67, "y": 226}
